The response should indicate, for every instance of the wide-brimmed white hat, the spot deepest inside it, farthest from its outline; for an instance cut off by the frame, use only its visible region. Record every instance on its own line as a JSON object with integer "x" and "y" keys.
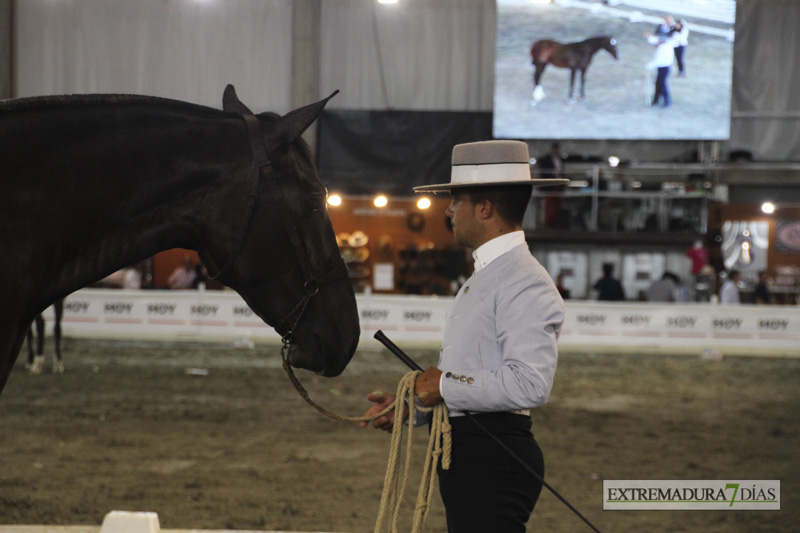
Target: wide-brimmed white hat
{"x": 490, "y": 163}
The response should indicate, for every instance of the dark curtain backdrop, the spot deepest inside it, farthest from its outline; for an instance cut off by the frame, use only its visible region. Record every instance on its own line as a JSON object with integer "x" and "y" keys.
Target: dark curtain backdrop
{"x": 364, "y": 152}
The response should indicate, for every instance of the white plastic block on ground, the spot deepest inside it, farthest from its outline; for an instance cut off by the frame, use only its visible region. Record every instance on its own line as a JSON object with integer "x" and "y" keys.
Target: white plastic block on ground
{"x": 130, "y": 522}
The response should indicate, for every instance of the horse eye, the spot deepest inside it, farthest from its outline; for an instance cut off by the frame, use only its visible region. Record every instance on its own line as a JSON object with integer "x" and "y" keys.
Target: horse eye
{"x": 315, "y": 204}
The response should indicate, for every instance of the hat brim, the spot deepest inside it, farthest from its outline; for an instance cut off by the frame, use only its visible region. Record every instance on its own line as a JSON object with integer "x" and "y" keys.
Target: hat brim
{"x": 446, "y": 187}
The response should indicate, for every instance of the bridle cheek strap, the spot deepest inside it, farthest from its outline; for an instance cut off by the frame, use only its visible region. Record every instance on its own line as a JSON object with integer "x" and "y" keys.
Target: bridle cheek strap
{"x": 263, "y": 169}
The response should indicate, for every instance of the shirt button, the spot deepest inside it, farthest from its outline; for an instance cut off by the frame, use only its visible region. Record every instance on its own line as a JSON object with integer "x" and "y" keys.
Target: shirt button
{"x": 456, "y": 376}
{"x": 448, "y": 375}
{"x": 463, "y": 379}
{"x": 471, "y": 381}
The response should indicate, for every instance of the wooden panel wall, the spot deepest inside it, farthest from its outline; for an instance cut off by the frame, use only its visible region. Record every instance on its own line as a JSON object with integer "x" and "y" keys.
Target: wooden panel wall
{"x": 417, "y": 243}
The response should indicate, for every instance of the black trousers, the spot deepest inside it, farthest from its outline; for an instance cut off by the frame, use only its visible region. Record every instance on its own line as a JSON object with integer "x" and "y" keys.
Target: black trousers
{"x": 486, "y": 490}
{"x": 679, "y": 53}
{"x": 662, "y": 90}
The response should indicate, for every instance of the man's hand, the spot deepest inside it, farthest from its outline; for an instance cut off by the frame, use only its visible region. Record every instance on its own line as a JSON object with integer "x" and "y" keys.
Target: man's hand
{"x": 382, "y": 400}
{"x": 427, "y": 387}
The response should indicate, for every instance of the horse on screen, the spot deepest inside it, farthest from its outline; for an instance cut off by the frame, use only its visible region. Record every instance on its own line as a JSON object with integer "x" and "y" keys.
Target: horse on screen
{"x": 575, "y": 56}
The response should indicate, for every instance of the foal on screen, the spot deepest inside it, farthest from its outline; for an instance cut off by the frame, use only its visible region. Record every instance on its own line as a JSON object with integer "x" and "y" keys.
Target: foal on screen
{"x": 574, "y": 56}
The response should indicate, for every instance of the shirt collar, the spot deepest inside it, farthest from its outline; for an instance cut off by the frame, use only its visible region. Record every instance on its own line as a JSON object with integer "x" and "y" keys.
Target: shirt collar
{"x": 491, "y": 250}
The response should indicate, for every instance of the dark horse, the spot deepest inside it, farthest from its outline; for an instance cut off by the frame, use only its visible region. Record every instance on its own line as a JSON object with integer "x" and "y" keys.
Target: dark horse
{"x": 574, "y": 56}
{"x": 35, "y": 360}
{"x": 94, "y": 183}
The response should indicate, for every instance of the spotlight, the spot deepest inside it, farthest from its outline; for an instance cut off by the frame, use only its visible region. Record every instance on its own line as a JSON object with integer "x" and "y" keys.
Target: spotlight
{"x": 768, "y": 208}
{"x": 613, "y": 161}
{"x": 578, "y": 184}
{"x": 380, "y": 201}
{"x": 424, "y": 203}
{"x": 388, "y": 1}
{"x": 334, "y": 200}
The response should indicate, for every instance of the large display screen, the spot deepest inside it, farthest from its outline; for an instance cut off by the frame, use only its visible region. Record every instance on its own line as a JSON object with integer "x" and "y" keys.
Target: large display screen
{"x": 623, "y": 59}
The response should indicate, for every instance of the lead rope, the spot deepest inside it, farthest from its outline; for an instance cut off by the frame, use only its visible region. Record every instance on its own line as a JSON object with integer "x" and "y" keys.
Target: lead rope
{"x": 396, "y": 478}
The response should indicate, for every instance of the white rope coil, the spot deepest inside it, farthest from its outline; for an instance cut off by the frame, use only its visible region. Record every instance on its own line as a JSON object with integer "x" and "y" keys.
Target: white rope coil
{"x": 396, "y": 478}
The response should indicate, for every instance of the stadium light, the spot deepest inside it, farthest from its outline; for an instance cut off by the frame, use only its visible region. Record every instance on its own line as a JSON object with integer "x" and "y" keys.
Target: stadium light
{"x": 334, "y": 200}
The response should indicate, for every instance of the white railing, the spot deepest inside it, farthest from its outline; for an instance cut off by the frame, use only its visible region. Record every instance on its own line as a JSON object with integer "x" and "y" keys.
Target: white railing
{"x": 415, "y": 321}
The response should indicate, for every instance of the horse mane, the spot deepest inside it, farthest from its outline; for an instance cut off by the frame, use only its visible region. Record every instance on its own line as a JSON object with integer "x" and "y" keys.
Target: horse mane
{"x": 37, "y": 103}
{"x": 597, "y": 38}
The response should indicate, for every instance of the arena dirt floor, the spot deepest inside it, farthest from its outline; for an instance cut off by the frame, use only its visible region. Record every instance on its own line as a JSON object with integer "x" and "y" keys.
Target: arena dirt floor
{"x": 216, "y": 438}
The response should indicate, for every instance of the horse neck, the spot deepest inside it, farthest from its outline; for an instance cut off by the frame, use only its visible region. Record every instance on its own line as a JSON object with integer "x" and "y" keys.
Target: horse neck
{"x": 139, "y": 193}
{"x": 595, "y": 44}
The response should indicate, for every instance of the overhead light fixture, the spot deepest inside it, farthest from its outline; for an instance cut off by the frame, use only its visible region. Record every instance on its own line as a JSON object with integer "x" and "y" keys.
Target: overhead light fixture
{"x": 613, "y": 161}
{"x": 334, "y": 200}
{"x": 579, "y": 184}
{"x": 424, "y": 203}
{"x": 388, "y": 1}
{"x": 768, "y": 208}
{"x": 380, "y": 201}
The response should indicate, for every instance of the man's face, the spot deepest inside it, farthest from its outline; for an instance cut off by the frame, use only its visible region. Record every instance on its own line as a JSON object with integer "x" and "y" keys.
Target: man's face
{"x": 463, "y": 219}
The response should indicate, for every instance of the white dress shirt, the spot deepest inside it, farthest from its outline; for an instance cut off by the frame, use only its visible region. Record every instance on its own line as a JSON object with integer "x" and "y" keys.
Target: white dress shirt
{"x": 499, "y": 348}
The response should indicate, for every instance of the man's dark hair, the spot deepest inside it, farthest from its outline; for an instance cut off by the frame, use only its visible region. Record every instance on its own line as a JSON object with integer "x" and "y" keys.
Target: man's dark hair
{"x": 510, "y": 201}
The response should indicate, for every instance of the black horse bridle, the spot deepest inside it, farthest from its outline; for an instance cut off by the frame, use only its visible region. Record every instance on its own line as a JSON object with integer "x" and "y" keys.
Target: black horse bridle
{"x": 263, "y": 169}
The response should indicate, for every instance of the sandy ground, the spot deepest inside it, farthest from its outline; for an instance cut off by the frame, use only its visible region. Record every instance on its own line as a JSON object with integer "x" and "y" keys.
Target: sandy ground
{"x": 618, "y": 92}
{"x": 139, "y": 427}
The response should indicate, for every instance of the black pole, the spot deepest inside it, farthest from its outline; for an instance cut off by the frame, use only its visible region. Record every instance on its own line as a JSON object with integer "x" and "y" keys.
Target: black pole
{"x": 380, "y": 336}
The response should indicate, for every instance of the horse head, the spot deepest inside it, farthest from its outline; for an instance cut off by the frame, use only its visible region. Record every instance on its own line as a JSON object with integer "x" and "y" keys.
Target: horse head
{"x": 610, "y": 46}
{"x": 287, "y": 265}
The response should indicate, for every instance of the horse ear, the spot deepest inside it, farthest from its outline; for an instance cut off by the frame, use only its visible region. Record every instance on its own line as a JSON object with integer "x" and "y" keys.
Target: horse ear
{"x": 291, "y": 126}
{"x": 231, "y": 102}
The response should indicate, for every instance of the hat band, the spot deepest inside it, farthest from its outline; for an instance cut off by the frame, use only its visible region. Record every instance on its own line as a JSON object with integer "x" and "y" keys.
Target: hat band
{"x": 483, "y": 174}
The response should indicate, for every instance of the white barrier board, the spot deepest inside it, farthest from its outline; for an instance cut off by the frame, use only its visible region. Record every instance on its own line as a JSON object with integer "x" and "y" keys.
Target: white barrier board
{"x": 416, "y": 320}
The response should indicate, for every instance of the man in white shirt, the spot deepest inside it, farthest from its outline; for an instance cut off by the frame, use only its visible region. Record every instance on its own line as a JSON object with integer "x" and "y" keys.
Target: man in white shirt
{"x": 662, "y": 60}
{"x": 499, "y": 349}
{"x": 729, "y": 293}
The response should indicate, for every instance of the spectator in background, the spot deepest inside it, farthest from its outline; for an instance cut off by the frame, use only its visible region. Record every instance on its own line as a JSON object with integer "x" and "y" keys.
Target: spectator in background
{"x": 552, "y": 166}
{"x": 664, "y": 289}
{"x": 698, "y": 254}
{"x": 560, "y": 286}
{"x": 729, "y": 293}
{"x": 608, "y": 288}
{"x": 761, "y": 294}
{"x": 200, "y": 276}
{"x": 183, "y": 276}
{"x": 133, "y": 277}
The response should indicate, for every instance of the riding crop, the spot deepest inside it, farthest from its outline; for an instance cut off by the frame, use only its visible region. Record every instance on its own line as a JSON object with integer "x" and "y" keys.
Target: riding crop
{"x": 380, "y": 336}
